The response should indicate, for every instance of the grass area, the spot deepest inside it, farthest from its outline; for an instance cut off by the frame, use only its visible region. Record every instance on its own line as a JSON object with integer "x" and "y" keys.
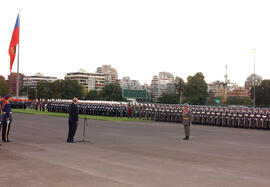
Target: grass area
{"x": 46, "y": 113}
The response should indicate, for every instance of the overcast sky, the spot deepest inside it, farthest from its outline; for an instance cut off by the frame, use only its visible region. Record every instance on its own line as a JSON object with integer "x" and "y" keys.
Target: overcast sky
{"x": 140, "y": 37}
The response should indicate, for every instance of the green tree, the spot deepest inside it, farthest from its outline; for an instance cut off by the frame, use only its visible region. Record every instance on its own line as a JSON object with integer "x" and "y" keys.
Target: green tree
{"x": 246, "y": 101}
{"x": 169, "y": 99}
{"x": 43, "y": 90}
{"x": 60, "y": 89}
{"x": 31, "y": 93}
{"x": 4, "y": 88}
{"x": 70, "y": 89}
{"x": 111, "y": 92}
{"x": 262, "y": 94}
{"x": 195, "y": 90}
{"x": 180, "y": 88}
{"x": 92, "y": 95}
{"x": 55, "y": 89}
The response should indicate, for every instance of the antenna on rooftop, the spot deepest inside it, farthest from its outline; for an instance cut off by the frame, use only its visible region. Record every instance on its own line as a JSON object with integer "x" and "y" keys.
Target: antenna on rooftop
{"x": 225, "y": 84}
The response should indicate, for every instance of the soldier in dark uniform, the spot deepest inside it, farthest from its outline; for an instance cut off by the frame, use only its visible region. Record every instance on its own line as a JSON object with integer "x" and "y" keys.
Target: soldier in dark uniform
{"x": 156, "y": 113}
{"x": 260, "y": 120}
{"x": 247, "y": 119}
{"x": 230, "y": 114}
{"x": 253, "y": 119}
{"x": 195, "y": 116}
{"x": 125, "y": 111}
{"x": 241, "y": 118}
{"x": 177, "y": 115}
{"x": 219, "y": 117}
{"x": 73, "y": 120}
{"x": 204, "y": 116}
{"x": 266, "y": 120}
{"x": 200, "y": 116}
{"x": 7, "y": 118}
{"x": 163, "y": 113}
{"x": 235, "y": 119}
{"x": 43, "y": 106}
{"x": 36, "y": 105}
{"x": 186, "y": 122}
{"x": 152, "y": 112}
{"x": 224, "y": 118}
{"x": 121, "y": 110}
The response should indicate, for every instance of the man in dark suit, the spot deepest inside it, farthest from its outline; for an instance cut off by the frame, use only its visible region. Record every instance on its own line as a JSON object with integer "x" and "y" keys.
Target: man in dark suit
{"x": 72, "y": 120}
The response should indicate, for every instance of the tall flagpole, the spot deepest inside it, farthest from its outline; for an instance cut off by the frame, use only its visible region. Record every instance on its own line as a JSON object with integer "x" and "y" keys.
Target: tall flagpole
{"x": 254, "y": 87}
{"x": 18, "y": 56}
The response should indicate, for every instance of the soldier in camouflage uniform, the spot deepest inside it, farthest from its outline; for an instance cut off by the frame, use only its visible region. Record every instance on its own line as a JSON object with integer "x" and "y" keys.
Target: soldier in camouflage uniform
{"x": 186, "y": 122}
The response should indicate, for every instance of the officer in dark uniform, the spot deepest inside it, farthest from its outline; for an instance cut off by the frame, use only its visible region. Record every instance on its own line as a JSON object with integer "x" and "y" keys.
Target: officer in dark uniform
{"x": 0, "y": 118}
{"x": 7, "y": 118}
{"x": 73, "y": 120}
{"x": 186, "y": 122}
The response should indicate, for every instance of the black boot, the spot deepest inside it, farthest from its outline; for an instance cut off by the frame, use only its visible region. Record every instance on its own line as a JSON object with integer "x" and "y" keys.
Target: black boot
{"x": 186, "y": 138}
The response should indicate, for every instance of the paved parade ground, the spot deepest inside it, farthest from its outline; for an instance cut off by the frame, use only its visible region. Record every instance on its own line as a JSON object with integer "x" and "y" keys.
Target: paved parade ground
{"x": 132, "y": 154}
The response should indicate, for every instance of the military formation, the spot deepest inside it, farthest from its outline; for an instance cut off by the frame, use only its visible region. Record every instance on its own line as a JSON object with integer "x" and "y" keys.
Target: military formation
{"x": 238, "y": 117}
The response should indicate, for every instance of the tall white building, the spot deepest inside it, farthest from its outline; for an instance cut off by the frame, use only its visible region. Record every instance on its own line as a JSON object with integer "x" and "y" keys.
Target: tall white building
{"x": 31, "y": 81}
{"x": 111, "y": 75}
{"x": 127, "y": 83}
{"x": 91, "y": 81}
{"x": 159, "y": 84}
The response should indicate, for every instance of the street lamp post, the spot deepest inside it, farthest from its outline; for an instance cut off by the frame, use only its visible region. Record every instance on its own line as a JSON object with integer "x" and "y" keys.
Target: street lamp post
{"x": 254, "y": 103}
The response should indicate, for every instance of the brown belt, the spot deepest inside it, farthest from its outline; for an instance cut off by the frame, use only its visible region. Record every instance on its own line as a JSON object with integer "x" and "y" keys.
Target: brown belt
{"x": 186, "y": 118}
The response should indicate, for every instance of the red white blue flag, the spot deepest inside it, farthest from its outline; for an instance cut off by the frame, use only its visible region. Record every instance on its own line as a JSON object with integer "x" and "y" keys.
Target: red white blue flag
{"x": 13, "y": 43}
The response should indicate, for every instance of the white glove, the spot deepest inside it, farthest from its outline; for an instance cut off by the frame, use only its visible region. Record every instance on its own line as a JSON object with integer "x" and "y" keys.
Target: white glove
{"x": 8, "y": 121}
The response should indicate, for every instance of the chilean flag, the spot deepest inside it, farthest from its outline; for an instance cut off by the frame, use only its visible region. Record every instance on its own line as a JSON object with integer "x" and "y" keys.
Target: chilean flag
{"x": 13, "y": 43}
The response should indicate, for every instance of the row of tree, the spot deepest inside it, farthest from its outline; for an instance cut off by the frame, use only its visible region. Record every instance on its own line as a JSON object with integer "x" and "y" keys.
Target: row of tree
{"x": 66, "y": 89}
{"x": 194, "y": 91}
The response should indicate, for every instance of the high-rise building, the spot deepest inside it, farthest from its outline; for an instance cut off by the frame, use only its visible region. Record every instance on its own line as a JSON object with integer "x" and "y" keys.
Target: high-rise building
{"x": 12, "y": 82}
{"x": 250, "y": 81}
{"x": 127, "y": 83}
{"x": 216, "y": 89}
{"x": 159, "y": 84}
{"x": 91, "y": 81}
{"x": 238, "y": 92}
{"x": 31, "y": 81}
{"x": 171, "y": 89}
{"x": 111, "y": 75}
{"x": 146, "y": 86}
